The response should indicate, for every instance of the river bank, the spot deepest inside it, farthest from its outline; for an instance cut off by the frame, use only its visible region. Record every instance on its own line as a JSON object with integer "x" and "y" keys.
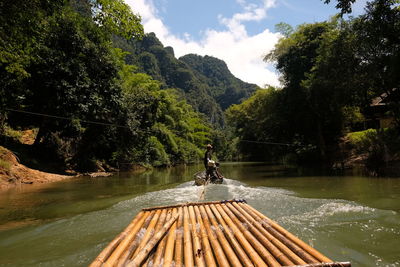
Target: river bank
{"x": 13, "y": 173}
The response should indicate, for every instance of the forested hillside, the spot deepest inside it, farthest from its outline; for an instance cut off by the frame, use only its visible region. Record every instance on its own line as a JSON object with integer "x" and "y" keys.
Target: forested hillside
{"x": 205, "y": 82}
{"x": 89, "y": 105}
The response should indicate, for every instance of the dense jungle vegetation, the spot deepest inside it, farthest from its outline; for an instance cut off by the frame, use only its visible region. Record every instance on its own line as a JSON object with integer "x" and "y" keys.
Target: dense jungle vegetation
{"x": 331, "y": 71}
{"x": 100, "y": 93}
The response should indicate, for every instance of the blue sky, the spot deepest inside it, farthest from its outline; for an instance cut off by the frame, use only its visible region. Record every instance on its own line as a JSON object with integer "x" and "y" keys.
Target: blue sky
{"x": 240, "y": 32}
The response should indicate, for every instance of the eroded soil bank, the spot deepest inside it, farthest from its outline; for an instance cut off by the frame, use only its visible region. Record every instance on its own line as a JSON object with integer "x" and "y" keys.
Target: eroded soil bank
{"x": 13, "y": 173}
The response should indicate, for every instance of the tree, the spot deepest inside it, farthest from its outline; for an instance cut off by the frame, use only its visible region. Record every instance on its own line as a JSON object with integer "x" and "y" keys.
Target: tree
{"x": 343, "y": 5}
{"x": 317, "y": 62}
{"x": 116, "y": 17}
{"x": 22, "y": 24}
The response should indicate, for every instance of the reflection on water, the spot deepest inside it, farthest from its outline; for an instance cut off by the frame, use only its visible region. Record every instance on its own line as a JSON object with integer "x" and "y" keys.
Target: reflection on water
{"x": 68, "y": 223}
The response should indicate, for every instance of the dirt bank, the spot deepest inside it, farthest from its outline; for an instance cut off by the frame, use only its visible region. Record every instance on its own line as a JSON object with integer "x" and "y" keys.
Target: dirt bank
{"x": 13, "y": 173}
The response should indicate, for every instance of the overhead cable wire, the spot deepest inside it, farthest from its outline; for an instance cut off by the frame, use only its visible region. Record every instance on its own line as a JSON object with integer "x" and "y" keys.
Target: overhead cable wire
{"x": 121, "y": 126}
{"x": 65, "y": 118}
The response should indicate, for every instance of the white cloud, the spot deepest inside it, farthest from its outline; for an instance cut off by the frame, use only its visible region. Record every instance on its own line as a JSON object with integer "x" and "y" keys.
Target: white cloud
{"x": 242, "y": 53}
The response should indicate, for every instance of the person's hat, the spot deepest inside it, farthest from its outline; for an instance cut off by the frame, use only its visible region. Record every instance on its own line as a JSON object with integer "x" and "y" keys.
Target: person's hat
{"x": 209, "y": 146}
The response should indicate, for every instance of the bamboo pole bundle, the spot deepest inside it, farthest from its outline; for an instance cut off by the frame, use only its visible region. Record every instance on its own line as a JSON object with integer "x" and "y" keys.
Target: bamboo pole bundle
{"x": 263, "y": 252}
{"x": 161, "y": 246}
{"x": 326, "y": 264}
{"x": 290, "y": 254}
{"x": 223, "y": 233}
{"x": 114, "y": 257}
{"x": 115, "y": 242}
{"x": 314, "y": 253}
{"x": 198, "y": 252}
{"x": 158, "y": 226}
{"x": 218, "y": 251}
{"x": 187, "y": 240}
{"x": 230, "y": 253}
{"x": 191, "y": 204}
{"x": 152, "y": 243}
{"x": 179, "y": 237}
{"x": 275, "y": 252}
{"x": 238, "y": 249}
{"x": 251, "y": 252}
{"x": 149, "y": 232}
{"x": 208, "y": 254}
{"x": 170, "y": 242}
{"x": 133, "y": 244}
{"x": 287, "y": 242}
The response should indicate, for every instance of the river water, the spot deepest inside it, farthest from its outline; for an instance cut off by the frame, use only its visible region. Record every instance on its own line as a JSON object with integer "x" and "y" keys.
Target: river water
{"x": 347, "y": 218}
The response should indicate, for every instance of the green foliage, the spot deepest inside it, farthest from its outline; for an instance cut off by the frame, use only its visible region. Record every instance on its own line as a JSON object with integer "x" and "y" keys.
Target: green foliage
{"x": 361, "y": 141}
{"x": 284, "y": 28}
{"x": 257, "y": 120}
{"x": 5, "y": 165}
{"x": 330, "y": 72}
{"x": 205, "y": 82}
{"x": 22, "y": 24}
{"x": 157, "y": 154}
{"x": 116, "y": 17}
{"x": 318, "y": 63}
{"x": 14, "y": 134}
{"x": 379, "y": 148}
{"x": 352, "y": 116}
{"x": 343, "y": 5}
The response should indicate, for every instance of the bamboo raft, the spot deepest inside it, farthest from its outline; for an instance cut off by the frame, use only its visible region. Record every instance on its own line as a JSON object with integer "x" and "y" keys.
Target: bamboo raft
{"x": 223, "y": 233}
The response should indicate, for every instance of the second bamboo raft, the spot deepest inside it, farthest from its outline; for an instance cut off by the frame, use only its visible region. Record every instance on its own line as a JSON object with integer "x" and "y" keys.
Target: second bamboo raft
{"x": 223, "y": 233}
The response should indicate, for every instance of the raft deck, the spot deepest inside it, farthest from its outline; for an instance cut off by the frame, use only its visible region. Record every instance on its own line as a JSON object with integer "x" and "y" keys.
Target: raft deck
{"x": 223, "y": 233}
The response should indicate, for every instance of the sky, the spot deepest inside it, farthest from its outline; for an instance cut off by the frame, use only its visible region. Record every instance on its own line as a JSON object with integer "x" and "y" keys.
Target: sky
{"x": 239, "y": 32}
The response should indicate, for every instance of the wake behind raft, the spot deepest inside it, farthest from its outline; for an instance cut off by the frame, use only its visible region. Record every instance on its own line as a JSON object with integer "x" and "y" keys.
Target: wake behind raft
{"x": 219, "y": 233}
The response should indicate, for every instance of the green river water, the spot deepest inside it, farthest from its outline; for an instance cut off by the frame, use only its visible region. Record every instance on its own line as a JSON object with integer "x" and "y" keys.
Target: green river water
{"x": 347, "y": 218}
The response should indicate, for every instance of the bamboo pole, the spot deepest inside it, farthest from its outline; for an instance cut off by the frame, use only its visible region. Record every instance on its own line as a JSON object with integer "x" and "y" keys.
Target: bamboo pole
{"x": 208, "y": 254}
{"x": 179, "y": 237}
{"x": 218, "y": 251}
{"x": 149, "y": 260}
{"x": 290, "y": 254}
{"x": 275, "y": 252}
{"x": 187, "y": 240}
{"x": 263, "y": 252}
{"x": 313, "y": 254}
{"x": 157, "y": 228}
{"x": 230, "y": 236}
{"x": 161, "y": 246}
{"x": 170, "y": 243}
{"x": 198, "y": 251}
{"x": 135, "y": 242}
{"x": 229, "y": 252}
{"x": 326, "y": 264}
{"x": 112, "y": 260}
{"x": 191, "y": 204}
{"x": 152, "y": 243}
{"x": 290, "y": 244}
{"x": 251, "y": 252}
{"x": 149, "y": 232}
{"x": 106, "y": 252}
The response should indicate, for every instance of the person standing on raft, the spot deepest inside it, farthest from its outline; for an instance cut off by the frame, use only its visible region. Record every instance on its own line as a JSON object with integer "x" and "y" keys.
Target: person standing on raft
{"x": 211, "y": 166}
{"x": 207, "y": 158}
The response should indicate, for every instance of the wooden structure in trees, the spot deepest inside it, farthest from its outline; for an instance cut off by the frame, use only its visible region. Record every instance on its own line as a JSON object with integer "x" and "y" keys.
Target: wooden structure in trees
{"x": 223, "y": 233}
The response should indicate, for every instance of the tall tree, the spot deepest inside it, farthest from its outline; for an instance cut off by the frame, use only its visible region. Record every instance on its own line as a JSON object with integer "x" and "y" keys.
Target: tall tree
{"x": 343, "y": 5}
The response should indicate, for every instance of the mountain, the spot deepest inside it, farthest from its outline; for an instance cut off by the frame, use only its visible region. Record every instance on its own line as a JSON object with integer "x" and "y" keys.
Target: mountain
{"x": 205, "y": 82}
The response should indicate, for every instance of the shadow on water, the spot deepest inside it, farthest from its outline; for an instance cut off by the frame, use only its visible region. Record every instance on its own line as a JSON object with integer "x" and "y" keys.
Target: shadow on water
{"x": 344, "y": 221}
